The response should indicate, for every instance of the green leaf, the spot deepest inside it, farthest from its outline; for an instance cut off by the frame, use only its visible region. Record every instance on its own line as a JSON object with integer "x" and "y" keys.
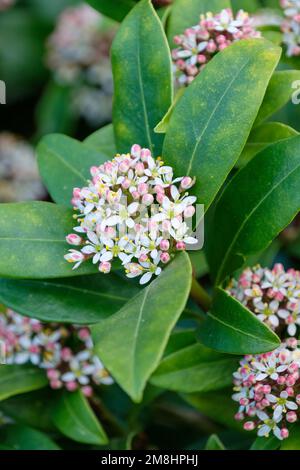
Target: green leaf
{"x": 186, "y": 13}
{"x": 20, "y": 437}
{"x": 214, "y": 443}
{"x": 117, "y": 10}
{"x": 73, "y": 416}
{"x": 81, "y": 300}
{"x": 54, "y": 112}
{"x": 278, "y": 93}
{"x": 103, "y": 140}
{"x": 141, "y": 329}
{"x": 263, "y": 443}
{"x": 32, "y": 241}
{"x": 218, "y": 406}
{"x": 15, "y": 379}
{"x": 263, "y": 136}
{"x": 195, "y": 369}
{"x": 293, "y": 441}
{"x": 209, "y": 127}
{"x": 257, "y": 212}
{"x": 232, "y": 328}
{"x": 143, "y": 81}
{"x": 64, "y": 164}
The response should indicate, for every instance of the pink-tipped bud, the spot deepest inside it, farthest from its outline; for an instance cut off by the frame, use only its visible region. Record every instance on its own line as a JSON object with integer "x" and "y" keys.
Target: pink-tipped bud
{"x": 201, "y": 59}
{"x": 105, "y": 267}
{"x": 158, "y": 188}
{"x": 145, "y": 153}
{"x": 290, "y": 381}
{"x": 160, "y": 198}
{"x": 165, "y": 257}
{"x": 290, "y": 391}
{"x": 71, "y": 386}
{"x": 298, "y": 399}
{"x": 87, "y": 391}
{"x": 143, "y": 188}
{"x": 189, "y": 211}
{"x": 284, "y": 433}
{"x": 147, "y": 199}
{"x": 180, "y": 246}
{"x": 124, "y": 165}
{"x": 143, "y": 258}
{"x": 135, "y": 150}
{"x": 126, "y": 183}
{"x": 77, "y": 193}
{"x": 52, "y": 374}
{"x": 164, "y": 245}
{"x": 281, "y": 380}
{"x": 83, "y": 333}
{"x": 166, "y": 225}
{"x": 66, "y": 354}
{"x": 74, "y": 239}
{"x": 135, "y": 195}
{"x": 94, "y": 170}
{"x": 186, "y": 182}
{"x": 139, "y": 168}
{"x": 239, "y": 416}
{"x": 249, "y": 426}
{"x": 55, "y": 384}
{"x": 291, "y": 416}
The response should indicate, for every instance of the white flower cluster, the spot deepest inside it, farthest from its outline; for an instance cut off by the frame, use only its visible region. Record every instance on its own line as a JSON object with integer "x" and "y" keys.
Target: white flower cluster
{"x": 133, "y": 210}
{"x": 78, "y": 54}
{"x": 273, "y": 295}
{"x": 267, "y": 389}
{"x": 64, "y": 351}
{"x": 19, "y": 176}
{"x": 291, "y": 26}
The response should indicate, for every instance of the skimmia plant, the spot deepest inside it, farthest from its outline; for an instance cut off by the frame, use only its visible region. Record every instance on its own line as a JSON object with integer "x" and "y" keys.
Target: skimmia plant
{"x": 124, "y": 202}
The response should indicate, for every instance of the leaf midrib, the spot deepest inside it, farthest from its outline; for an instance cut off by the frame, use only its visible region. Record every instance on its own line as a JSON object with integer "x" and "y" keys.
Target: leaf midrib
{"x": 198, "y": 140}
{"x": 227, "y": 252}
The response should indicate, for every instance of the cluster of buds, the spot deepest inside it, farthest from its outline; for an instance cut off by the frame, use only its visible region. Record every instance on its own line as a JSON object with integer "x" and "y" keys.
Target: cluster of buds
{"x": 78, "y": 55}
{"x": 199, "y": 44}
{"x": 267, "y": 385}
{"x": 267, "y": 388}
{"x": 65, "y": 352}
{"x": 291, "y": 26}
{"x": 19, "y": 176}
{"x": 273, "y": 295}
{"x": 132, "y": 210}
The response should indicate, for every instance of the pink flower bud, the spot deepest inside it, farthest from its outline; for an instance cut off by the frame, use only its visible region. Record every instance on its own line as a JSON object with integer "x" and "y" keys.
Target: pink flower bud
{"x": 239, "y": 416}
{"x": 77, "y": 193}
{"x": 291, "y": 416}
{"x": 74, "y": 239}
{"x": 145, "y": 153}
{"x": 124, "y": 165}
{"x": 159, "y": 189}
{"x": 71, "y": 386}
{"x": 166, "y": 225}
{"x": 284, "y": 433}
{"x": 135, "y": 195}
{"x": 94, "y": 170}
{"x": 189, "y": 211}
{"x": 147, "y": 199}
{"x": 164, "y": 245}
{"x": 66, "y": 354}
{"x": 87, "y": 391}
{"x": 249, "y": 426}
{"x": 139, "y": 168}
{"x": 290, "y": 391}
{"x": 186, "y": 182}
{"x": 143, "y": 258}
{"x": 180, "y": 246}
{"x": 52, "y": 374}
{"x": 105, "y": 267}
{"x": 135, "y": 150}
{"x": 126, "y": 183}
{"x": 143, "y": 188}
{"x": 55, "y": 384}
{"x": 165, "y": 257}
{"x": 201, "y": 59}
{"x": 160, "y": 197}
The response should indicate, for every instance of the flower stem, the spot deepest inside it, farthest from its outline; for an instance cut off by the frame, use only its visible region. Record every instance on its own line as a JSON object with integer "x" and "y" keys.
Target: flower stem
{"x": 200, "y": 295}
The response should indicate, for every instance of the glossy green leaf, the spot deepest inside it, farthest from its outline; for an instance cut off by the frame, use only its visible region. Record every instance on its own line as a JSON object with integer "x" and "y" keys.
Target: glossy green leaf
{"x": 17, "y": 379}
{"x": 257, "y": 212}
{"x": 32, "y": 241}
{"x": 65, "y": 164}
{"x": 143, "y": 81}
{"x": 117, "y": 10}
{"x": 186, "y": 13}
{"x": 103, "y": 140}
{"x": 214, "y": 443}
{"x": 73, "y": 416}
{"x": 194, "y": 369}
{"x": 232, "y": 328}
{"x": 263, "y": 443}
{"x": 20, "y": 437}
{"x": 278, "y": 93}
{"x": 141, "y": 329}
{"x": 218, "y": 406}
{"x": 80, "y": 300}
{"x": 208, "y": 127}
{"x": 262, "y": 136}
